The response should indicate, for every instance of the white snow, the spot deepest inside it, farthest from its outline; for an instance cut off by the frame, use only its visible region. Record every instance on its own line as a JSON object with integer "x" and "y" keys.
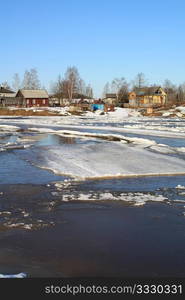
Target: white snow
{"x": 182, "y": 194}
{"x": 163, "y": 149}
{"x": 136, "y": 199}
{"x": 181, "y": 109}
{"x": 134, "y": 122}
{"x": 20, "y": 275}
{"x": 98, "y": 158}
{"x": 180, "y": 149}
{"x": 108, "y": 159}
{"x": 8, "y": 128}
{"x": 181, "y": 187}
{"x": 75, "y": 133}
{"x": 167, "y": 114}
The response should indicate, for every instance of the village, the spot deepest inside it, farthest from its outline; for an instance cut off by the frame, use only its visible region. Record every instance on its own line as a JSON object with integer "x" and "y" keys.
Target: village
{"x": 147, "y": 100}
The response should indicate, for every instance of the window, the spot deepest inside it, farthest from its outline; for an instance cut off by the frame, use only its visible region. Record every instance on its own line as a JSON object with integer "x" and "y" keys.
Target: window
{"x": 44, "y": 101}
{"x": 27, "y": 101}
{"x": 34, "y": 101}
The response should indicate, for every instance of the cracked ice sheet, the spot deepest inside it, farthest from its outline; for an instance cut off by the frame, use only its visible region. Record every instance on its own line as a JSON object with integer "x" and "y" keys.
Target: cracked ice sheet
{"x": 109, "y": 159}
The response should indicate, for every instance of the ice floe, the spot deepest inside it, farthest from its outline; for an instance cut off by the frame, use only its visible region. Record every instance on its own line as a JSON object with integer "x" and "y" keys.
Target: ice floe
{"x": 8, "y": 128}
{"x": 180, "y": 187}
{"x": 19, "y": 275}
{"x": 109, "y": 159}
{"x": 136, "y": 199}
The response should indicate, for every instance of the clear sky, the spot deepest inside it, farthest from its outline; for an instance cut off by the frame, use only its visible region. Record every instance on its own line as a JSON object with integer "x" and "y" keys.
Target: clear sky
{"x": 104, "y": 39}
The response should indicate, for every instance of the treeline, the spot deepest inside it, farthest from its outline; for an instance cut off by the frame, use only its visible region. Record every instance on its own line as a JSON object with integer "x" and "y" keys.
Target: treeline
{"x": 30, "y": 81}
{"x": 121, "y": 87}
{"x": 70, "y": 86}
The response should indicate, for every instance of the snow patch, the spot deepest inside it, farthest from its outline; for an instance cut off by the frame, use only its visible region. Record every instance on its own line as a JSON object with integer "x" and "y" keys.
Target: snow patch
{"x": 136, "y": 199}
{"x": 8, "y": 128}
{"x": 20, "y": 275}
{"x": 180, "y": 187}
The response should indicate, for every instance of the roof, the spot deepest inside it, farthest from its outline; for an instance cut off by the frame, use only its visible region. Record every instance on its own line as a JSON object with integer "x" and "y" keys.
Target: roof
{"x": 5, "y": 90}
{"x": 34, "y": 93}
{"x": 152, "y": 90}
{"x": 110, "y": 96}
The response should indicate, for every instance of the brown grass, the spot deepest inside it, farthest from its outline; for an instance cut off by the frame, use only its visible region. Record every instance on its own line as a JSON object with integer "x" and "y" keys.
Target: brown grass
{"x": 22, "y": 112}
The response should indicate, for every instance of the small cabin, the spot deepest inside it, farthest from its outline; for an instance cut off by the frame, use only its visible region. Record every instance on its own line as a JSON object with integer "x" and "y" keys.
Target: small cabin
{"x": 110, "y": 99}
{"x": 31, "y": 98}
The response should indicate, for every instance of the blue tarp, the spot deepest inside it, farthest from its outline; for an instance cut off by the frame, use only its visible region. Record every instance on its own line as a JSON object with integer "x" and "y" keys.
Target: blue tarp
{"x": 97, "y": 106}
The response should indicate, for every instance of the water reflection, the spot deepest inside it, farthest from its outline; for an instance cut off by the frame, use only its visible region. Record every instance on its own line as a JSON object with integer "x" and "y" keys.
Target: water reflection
{"x": 55, "y": 140}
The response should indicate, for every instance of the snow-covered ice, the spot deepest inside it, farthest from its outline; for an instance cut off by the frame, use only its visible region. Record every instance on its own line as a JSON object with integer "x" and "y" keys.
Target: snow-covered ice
{"x": 105, "y": 150}
{"x": 108, "y": 159}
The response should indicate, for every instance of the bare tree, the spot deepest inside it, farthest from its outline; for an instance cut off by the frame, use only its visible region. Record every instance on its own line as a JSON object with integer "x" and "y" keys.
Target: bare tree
{"x": 26, "y": 80}
{"x": 16, "y": 84}
{"x": 31, "y": 80}
{"x": 56, "y": 86}
{"x": 89, "y": 91}
{"x": 6, "y": 85}
{"x": 140, "y": 80}
{"x": 169, "y": 87}
{"x": 35, "y": 82}
{"x": 118, "y": 84}
{"x": 71, "y": 86}
{"x": 106, "y": 89}
{"x": 123, "y": 93}
{"x": 82, "y": 87}
{"x": 180, "y": 94}
{"x": 72, "y": 78}
{"x": 171, "y": 91}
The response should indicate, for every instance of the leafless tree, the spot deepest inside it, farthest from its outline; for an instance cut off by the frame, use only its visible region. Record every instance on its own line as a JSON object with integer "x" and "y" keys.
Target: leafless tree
{"x": 89, "y": 91}
{"x": 6, "y": 85}
{"x": 35, "y": 82}
{"x": 72, "y": 78}
{"x": 31, "y": 80}
{"x": 140, "y": 80}
{"x": 119, "y": 84}
{"x": 180, "y": 94}
{"x": 16, "y": 84}
{"x": 169, "y": 87}
{"x": 106, "y": 89}
{"x": 71, "y": 86}
{"x": 82, "y": 87}
{"x": 123, "y": 93}
{"x": 171, "y": 91}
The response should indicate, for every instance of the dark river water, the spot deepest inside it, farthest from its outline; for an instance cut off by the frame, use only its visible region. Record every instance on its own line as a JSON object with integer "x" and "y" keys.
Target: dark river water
{"x": 53, "y": 226}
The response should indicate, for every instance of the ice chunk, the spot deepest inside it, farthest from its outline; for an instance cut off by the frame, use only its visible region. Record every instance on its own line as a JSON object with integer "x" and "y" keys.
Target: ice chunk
{"x": 20, "y": 275}
{"x": 181, "y": 187}
{"x": 8, "y": 128}
{"x": 108, "y": 159}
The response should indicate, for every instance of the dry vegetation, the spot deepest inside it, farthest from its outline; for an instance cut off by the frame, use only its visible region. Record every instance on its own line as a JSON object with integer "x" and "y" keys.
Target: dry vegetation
{"x": 22, "y": 112}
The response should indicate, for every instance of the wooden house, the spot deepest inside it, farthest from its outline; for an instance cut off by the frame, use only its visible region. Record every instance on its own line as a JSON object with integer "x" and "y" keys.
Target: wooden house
{"x": 110, "y": 99}
{"x": 147, "y": 97}
{"x": 6, "y": 93}
{"x": 7, "y": 97}
{"x": 30, "y": 98}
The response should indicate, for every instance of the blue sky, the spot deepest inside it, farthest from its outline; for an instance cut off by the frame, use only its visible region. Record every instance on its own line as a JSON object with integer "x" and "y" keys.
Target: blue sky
{"x": 104, "y": 39}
